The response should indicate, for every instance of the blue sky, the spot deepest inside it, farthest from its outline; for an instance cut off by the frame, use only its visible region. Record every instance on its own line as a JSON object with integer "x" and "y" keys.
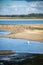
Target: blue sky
{"x": 17, "y": 7}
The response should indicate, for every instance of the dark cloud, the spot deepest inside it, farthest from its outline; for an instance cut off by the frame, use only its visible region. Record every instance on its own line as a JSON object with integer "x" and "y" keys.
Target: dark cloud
{"x": 27, "y": 0}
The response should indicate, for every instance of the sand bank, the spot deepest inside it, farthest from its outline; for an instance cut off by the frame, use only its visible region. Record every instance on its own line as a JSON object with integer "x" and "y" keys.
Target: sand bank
{"x": 30, "y": 31}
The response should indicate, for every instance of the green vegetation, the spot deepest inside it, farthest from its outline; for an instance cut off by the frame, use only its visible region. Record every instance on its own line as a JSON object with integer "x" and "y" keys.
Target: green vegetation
{"x": 24, "y": 16}
{"x": 33, "y": 28}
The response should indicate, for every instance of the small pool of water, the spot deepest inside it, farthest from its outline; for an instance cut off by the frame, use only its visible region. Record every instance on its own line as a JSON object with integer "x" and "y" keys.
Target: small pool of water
{"x": 21, "y": 45}
{"x": 4, "y": 32}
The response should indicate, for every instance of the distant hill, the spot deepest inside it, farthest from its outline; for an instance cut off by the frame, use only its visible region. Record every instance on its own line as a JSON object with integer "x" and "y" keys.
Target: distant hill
{"x": 27, "y": 16}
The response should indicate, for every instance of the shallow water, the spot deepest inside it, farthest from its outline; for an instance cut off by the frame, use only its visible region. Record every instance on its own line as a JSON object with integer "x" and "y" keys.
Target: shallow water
{"x": 21, "y": 21}
{"x": 27, "y": 52}
{"x": 21, "y": 46}
{"x": 4, "y": 32}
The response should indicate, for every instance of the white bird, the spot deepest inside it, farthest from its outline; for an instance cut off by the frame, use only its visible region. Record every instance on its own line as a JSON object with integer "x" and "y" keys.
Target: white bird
{"x": 28, "y": 42}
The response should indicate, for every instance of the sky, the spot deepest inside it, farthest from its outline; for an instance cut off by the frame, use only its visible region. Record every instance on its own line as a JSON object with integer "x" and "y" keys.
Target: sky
{"x": 19, "y": 7}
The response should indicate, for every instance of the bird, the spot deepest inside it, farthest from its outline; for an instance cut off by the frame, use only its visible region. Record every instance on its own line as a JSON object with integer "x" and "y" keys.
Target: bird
{"x": 28, "y": 42}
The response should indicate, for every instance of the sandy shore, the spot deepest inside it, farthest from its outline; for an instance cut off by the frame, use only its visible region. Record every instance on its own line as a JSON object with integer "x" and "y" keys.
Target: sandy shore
{"x": 21, "y": 19}
{"x": 30, "y": 31}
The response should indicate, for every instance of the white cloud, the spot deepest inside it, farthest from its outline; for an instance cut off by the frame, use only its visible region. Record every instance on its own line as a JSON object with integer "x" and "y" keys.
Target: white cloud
{"x": 26, "y": 8}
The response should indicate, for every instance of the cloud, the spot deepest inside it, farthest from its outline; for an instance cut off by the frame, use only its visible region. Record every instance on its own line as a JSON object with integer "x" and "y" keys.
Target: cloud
{"x": 35, "y": 7}
{"x": 21, "y": 7}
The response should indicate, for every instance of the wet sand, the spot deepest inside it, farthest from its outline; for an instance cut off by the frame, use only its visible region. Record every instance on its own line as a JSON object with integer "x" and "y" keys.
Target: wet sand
{"x": 29, "y": 31}
{"x": 6, "y": 52}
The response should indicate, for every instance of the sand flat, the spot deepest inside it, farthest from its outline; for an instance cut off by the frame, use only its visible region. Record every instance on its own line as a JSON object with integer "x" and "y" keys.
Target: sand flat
{"x": 25, "y": 31}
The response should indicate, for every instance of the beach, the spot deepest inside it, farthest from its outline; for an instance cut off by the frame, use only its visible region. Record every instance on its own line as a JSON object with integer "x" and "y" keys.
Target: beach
{"x": 24, "y": 31}
{"x": 19, "y": 18}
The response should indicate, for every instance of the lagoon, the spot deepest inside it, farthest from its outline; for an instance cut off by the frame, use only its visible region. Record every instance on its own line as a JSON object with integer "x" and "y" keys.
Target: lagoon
{"x": 21, "y": 45}
{"x": 25, "y": 52}
{"x": 21, "y": 22}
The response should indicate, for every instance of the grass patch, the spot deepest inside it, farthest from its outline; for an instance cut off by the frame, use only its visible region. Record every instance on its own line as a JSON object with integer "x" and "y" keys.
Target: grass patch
{"x": 36, "y": 28}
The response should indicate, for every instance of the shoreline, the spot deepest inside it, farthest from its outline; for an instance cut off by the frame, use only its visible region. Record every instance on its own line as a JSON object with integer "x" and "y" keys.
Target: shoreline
{"x": 22, "y": 39}
{"x": 21, "y": 19}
